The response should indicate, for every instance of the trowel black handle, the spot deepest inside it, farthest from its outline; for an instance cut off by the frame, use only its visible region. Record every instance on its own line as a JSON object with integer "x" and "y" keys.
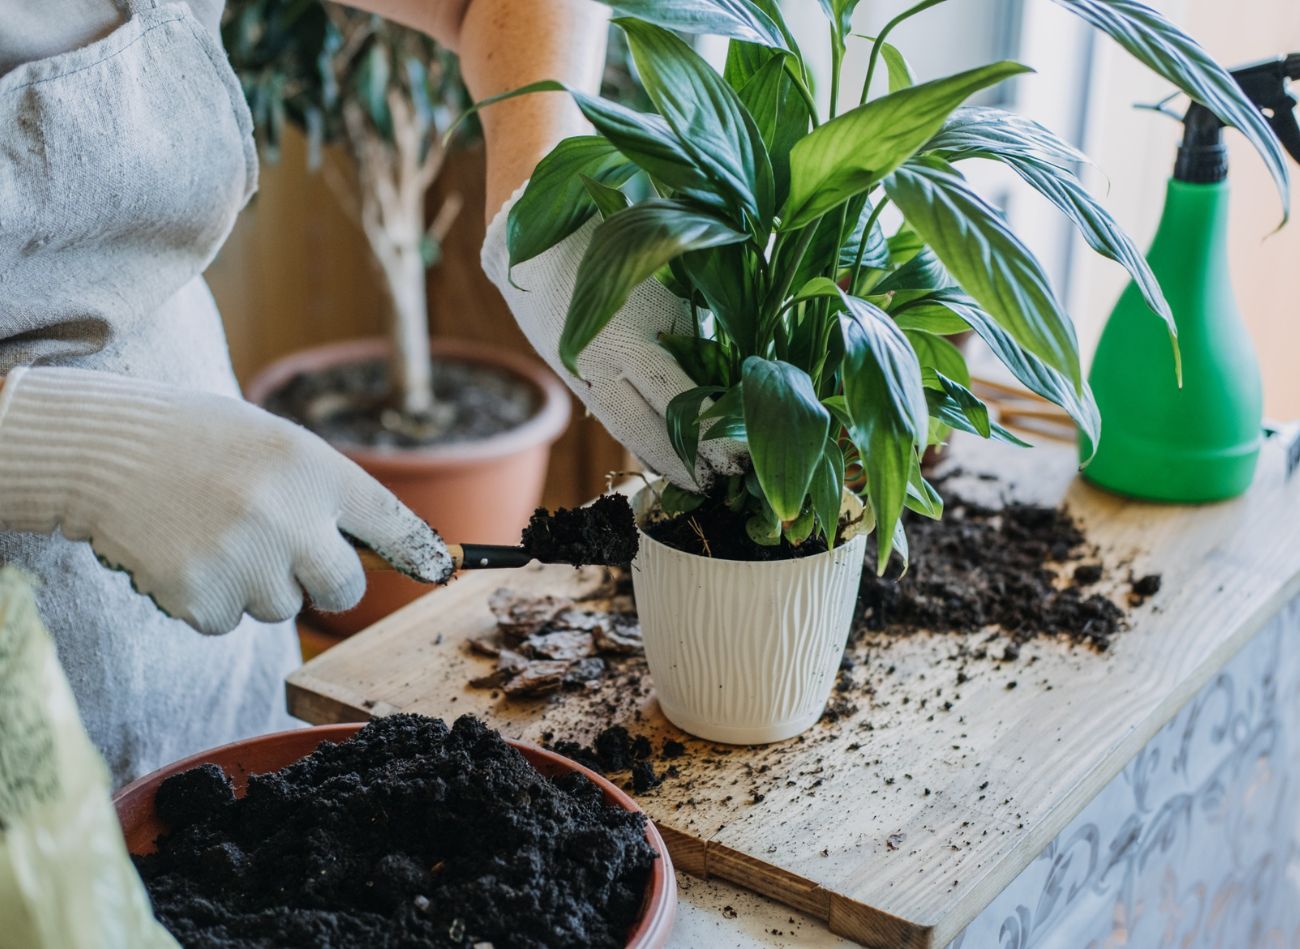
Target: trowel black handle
{"x": 464, "y": 556}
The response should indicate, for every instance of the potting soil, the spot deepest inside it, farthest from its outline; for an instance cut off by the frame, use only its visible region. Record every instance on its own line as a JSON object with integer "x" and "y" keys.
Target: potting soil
{"x": 602, "y": 533}
{"x": 1025, "y": 568}
{"x": 408, "y": 834}
{"x": 714, "y": 530}
{"x": 350, "y": 404}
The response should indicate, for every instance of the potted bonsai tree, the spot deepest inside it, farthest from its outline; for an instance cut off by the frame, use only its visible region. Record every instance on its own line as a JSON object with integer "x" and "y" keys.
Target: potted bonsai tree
{"x": 460, "y": 432}
{"x": 818, "y": 339}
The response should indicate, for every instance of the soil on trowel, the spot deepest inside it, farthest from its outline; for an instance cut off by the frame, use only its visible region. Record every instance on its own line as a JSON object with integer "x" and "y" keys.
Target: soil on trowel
{"x": 408, "y": 834}
{"x": 1026, "y": 569}
{"x": 714, "y": 530}
{"x": 351, "y": 404}
{"x": 602, "y": 533}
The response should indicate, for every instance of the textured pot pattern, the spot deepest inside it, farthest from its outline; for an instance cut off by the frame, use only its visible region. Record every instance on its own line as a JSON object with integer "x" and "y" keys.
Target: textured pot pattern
{"x": 742, "y": 652}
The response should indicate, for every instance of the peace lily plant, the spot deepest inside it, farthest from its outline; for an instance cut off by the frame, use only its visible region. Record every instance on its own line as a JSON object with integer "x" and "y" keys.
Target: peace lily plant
{"x": 818, "y": 340}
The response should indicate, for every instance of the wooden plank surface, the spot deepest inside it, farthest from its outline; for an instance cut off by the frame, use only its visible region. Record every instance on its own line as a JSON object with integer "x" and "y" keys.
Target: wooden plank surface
{"x": 901, "y": 819}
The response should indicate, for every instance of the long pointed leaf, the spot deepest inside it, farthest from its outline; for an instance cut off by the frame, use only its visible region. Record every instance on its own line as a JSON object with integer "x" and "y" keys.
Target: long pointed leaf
{"x": 1036, "y": 375}
{"x": 977, "y": 247}
{"x": 625, "y": 250}
{"x": 709, "y": 120}
{"x": 738, "y": 19}
{"x": 787, "y": 430}
{"x": 853, "y": 151}
{"x": 887, "y": 410}
{"x": 556, "y": 203}
{"x": 1172, "y": 55}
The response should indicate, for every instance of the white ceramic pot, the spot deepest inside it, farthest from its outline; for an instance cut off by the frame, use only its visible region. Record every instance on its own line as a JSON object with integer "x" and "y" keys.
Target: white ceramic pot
{"x": 744, "y": 652}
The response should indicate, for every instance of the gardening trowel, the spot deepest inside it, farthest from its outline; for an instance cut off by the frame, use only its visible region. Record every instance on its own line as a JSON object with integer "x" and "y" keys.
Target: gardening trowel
{"x": 603, "y": 533}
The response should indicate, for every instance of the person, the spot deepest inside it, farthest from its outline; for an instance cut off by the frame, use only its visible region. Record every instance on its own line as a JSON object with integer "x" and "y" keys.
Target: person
{"x": 149, "y": 500}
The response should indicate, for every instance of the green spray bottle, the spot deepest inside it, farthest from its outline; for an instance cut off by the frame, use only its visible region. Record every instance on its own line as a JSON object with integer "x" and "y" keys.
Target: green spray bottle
{"x": 1199, "y": 442}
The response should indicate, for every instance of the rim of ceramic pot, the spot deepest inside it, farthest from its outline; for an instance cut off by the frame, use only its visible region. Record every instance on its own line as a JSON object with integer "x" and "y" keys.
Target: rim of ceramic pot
{"x": 135, "y": 803}
{"x": 852, "y": 501}
{"x": 545, "y": 426}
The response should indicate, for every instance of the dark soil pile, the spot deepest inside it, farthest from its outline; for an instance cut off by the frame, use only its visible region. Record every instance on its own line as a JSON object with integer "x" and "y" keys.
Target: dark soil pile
{"x": 408, "y": 834}
{"x": 1025, "y": 568}
{"x": 351, "y": 405}
{"x": 714, "y": 530}
{"x": 603, "y": 533}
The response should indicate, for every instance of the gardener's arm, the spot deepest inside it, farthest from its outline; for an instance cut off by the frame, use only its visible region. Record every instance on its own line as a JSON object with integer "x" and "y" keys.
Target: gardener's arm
{"x": 505, "y": 44}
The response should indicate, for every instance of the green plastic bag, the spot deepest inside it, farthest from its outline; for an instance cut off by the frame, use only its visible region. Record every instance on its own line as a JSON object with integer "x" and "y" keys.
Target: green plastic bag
{"x": 66, "y": 881}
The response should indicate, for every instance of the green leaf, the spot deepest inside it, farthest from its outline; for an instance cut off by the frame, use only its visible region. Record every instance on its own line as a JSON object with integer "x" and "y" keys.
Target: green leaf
{"x": 876, "y": 253}
{"x": 887, "y": 409}
{"x": 900, "y": 73}
{"x": 683, "y": 420}
{"x": 702, "y": 359}
{"x": 935, "y": 352}
{"x": 643, "y": 137}
{"x": 1172, "y": 55}
{"x": 956, "y": 406}
{"x": 1102, "y": 233}
{"x": 675, "y": 500}
{"x": 1035, "y": 374}
{"x": 724, "y": 276}
{"x": 625, "y": 250}
{"x": 780, "y": 114}
{"x": 801, "y": 528}
{"x": 985, "y": 131}
{"x": 827, "y": 489}
{"x": 922, "y": 498}
{"x": 840, "y": 14}
{"x": 787, "y": 430}
{"x": 977, "y": 247}
{"x": 853, "y": 151}
{"x": 608, "y": 201}
{"x": 738, "y": 19}
{"x": 708, "y": 118}
{"x": 932, "y": 318}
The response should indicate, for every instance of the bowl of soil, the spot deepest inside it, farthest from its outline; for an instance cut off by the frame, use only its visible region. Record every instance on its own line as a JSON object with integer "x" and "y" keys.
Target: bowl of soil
{"x": 473, "y": 465}
{"x": 743, "y": 640}
{"x": 399, "y": 832}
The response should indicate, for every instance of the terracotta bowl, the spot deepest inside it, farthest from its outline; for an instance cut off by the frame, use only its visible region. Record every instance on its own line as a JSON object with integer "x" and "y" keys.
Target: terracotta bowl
{"x": 141, "y": 826}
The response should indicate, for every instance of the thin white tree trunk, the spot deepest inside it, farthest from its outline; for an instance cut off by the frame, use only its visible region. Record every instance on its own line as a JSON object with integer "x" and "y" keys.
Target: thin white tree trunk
{"x": 394, "y": 178}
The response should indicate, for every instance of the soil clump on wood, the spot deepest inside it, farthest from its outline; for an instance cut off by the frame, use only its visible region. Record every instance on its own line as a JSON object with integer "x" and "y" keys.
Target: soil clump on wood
{"x": 1027, "y": 569}
{"x": 601, "y": 533}
{"x": 351, "y": 404}
{"x": 410, "y": 833}
{"x": 715, "y": 530}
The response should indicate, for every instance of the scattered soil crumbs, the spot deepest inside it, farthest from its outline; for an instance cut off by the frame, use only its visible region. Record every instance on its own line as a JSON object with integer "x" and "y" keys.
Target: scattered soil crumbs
{"x": 1025, "y": 568}
{"x": 546, "y": 643}
{"x": 604, "y": 533}
{"x": 714, "y": 530}
{"x": 408, "y": 834}
{"x": 616, "y": 750}
{"x": 351, "y": 404}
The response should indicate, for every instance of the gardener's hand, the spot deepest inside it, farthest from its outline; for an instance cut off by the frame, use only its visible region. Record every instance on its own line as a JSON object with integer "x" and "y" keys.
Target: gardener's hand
{"x": 627, "y": 378}
{"x": 215, "y": 507}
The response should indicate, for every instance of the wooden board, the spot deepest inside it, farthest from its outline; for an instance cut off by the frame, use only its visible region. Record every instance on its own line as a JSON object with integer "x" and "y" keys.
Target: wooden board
{"x": 898, "y": 822}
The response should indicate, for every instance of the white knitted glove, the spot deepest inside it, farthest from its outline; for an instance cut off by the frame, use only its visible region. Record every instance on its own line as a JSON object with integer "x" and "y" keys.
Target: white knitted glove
{"x": 628, "y": 379}
{"x": 213, "y": 506}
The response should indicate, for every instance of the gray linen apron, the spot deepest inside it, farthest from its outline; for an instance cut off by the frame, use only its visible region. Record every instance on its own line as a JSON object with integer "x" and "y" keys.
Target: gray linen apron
{"x": 123, "y": 165}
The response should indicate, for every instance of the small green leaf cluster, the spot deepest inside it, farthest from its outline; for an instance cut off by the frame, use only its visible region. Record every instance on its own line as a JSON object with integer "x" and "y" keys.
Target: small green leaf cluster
{"x": 300, "y": 63}
{"x": 820, "y": 341}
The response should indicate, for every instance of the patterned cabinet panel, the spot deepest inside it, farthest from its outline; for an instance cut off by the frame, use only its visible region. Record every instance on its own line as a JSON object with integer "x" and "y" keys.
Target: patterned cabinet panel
{"x": 1196, "y": 844}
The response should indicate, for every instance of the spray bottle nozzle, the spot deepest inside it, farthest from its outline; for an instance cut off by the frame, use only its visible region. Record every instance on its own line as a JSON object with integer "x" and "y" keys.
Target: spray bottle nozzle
{"x": 1202, "y": 156}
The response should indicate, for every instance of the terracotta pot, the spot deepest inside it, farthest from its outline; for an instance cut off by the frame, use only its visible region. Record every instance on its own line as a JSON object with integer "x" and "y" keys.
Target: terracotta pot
{"x": 141, "y": 826}
{"x": 481, "y": 491}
